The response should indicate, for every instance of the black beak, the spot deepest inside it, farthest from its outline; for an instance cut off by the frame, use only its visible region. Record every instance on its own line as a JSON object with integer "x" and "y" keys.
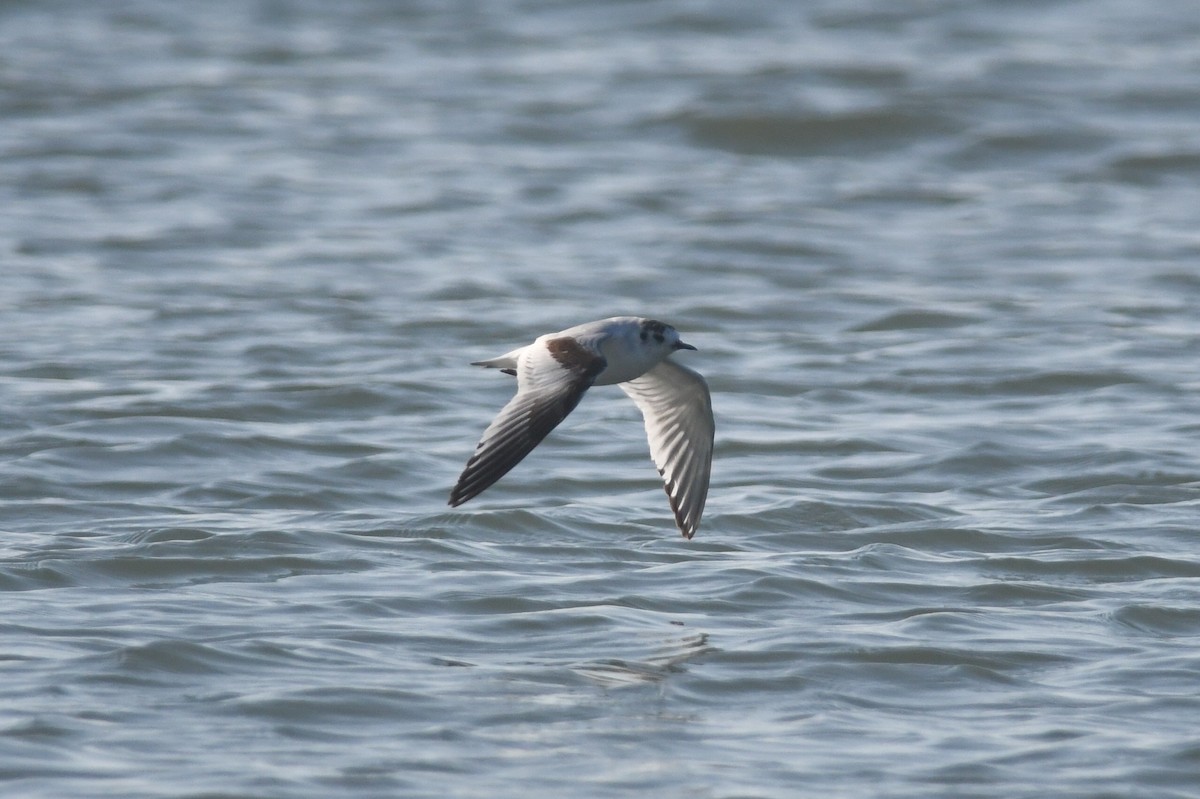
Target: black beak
{"x": 679, "y": 345}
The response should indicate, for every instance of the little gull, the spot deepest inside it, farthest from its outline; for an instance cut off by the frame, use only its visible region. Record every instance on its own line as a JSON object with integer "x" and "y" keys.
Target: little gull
{"x": 556, "y": 369}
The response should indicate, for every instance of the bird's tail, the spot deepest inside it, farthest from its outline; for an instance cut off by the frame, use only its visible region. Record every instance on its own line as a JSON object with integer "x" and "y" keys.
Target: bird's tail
{"x": 506, "y": 362}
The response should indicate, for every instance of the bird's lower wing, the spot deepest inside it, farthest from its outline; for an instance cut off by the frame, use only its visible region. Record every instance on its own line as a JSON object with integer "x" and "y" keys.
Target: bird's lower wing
{"x": 677, "y": 407}
{"x": 551, "y": 380}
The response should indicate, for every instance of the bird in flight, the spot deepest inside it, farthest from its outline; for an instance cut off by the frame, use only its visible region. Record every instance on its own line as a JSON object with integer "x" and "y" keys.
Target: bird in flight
{"x": 554, "y": 372}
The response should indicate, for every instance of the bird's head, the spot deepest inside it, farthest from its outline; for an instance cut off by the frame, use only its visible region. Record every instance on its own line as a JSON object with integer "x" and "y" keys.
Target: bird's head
{"x": 655, "y": 333}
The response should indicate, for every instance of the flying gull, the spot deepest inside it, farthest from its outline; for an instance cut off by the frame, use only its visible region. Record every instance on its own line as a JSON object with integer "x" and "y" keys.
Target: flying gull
{"x": 554, "y": 372}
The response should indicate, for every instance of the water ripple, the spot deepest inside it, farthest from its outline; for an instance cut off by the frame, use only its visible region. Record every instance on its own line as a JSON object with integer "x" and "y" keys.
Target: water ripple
{"x": 937, "y": 261}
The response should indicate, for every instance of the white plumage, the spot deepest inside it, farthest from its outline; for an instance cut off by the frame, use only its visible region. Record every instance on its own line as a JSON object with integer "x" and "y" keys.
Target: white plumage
{"x": 554, "y": 372}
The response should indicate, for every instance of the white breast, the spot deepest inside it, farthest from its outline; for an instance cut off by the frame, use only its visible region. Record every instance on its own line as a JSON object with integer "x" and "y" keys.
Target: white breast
{"x": 627, "y": 355}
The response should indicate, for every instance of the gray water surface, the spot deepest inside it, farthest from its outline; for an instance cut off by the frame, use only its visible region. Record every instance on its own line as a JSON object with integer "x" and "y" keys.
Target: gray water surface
{"x": 942, "y": 264}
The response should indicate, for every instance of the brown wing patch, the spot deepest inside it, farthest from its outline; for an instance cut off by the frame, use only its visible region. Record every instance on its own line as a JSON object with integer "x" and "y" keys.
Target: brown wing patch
{"x": 529, "y": 417}
{"x": 576, "y": 357}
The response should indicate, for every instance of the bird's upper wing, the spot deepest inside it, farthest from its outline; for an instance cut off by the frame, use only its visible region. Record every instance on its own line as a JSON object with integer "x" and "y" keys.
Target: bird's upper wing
{"x": 552, "y": 376}
{"x": 679, "y": 423}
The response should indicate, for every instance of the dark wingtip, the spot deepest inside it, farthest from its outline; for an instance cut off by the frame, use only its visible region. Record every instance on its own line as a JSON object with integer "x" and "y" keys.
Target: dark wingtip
{"x": 458, "y": 496}
{"x": 462, "y": 494}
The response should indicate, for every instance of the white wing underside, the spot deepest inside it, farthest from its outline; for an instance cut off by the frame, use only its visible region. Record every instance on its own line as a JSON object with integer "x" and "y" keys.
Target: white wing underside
{"x": 677, "y": 408}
